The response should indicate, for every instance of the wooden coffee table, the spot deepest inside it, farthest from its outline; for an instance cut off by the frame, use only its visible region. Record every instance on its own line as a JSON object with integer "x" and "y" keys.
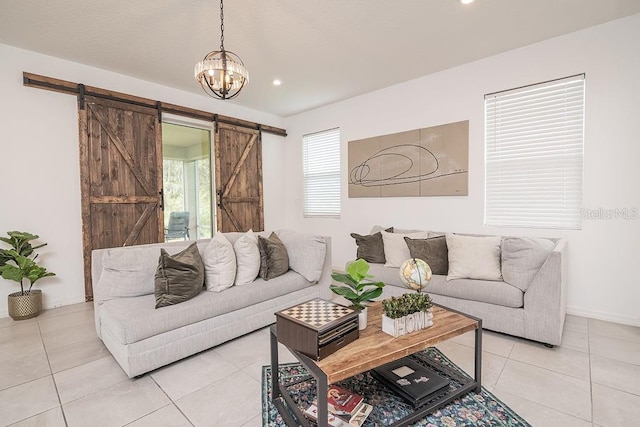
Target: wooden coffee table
{"x": 372, "y": 349}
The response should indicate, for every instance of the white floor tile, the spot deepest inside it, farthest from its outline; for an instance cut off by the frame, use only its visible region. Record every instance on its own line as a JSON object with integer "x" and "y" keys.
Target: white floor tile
{"x": 117, "y": 405}
{"x": 168, "y": 416}
{"x": 614, "y": 330}
{"x": 615, "y": 374}
{"x": 539, "y": 415}
{"x": 464, "y": 358}
{"x": 88, "y": 378}
{"x": 21, "y": 370}
{"x": 615, "y": 408}
{"x": 576, "y": 323}
{"x": 565, "y": 361}
{"x": 76, "y": 354}
{"x": 29, "y": 399}
{"x": 193, "y": 373}
{"x": 237, "y": 399}
{"x": 246, "y": 350}
{"x": 67, "y": 321}
{"x": 560, "y": 392}
{"x": 624, "y": 351}
{"x": 573, "y": 340}
{"x": 51, "y": 418}
{"x": 492, "y": 342}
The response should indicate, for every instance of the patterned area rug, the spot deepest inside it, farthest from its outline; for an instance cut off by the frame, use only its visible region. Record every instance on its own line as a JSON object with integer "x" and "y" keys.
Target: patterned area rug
{"x": 473, "y": 409}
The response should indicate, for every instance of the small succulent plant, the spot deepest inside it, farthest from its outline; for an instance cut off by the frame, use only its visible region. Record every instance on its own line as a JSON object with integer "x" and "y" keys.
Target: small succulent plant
{"x": 405, "y": 304}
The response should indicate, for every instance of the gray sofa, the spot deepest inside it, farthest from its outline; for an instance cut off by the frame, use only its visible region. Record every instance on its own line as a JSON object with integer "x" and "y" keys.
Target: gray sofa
{"x": 536, "y": 313}
{"x": 142, "y": 338}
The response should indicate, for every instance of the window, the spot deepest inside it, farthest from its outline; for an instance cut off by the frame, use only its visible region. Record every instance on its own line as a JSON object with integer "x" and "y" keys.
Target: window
{"x": 534, "y": 152}
{"x": 321, "y": 163}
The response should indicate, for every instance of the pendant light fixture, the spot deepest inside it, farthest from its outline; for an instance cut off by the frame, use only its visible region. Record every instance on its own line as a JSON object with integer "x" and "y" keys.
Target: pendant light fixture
{"x": 221, "y": 73}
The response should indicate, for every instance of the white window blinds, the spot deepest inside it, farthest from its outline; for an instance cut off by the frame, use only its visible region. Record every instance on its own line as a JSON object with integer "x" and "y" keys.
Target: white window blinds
{"x": 321, "y": 160}
{"x": 534, "y": 152}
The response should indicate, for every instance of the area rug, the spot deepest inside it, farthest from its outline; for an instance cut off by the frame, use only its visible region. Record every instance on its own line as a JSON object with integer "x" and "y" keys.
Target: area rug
{"x": 473, "y": 409}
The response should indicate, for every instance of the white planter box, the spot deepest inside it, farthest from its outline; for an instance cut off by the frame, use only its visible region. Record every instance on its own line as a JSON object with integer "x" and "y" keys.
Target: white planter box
{"x": 407, "y": 324}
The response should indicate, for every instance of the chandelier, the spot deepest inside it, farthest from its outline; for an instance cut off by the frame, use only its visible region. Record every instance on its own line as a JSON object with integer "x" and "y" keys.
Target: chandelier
{"x": 221, "y": 73}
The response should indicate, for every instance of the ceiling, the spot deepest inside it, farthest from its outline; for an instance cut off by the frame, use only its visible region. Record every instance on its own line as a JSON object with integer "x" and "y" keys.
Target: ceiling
{"x": 322, "y": 50}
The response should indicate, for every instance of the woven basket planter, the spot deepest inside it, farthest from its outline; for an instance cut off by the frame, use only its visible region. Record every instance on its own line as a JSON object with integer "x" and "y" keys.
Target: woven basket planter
{"x": 25, "y": 306}
{"x": 407, "y": 324}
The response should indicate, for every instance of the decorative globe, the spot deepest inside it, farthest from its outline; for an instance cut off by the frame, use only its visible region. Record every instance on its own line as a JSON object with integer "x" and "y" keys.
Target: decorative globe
{"x": 415, "y": 273}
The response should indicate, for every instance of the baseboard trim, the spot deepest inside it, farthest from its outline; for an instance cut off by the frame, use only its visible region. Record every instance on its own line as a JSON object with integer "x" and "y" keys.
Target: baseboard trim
{"x": 601, "y": 315}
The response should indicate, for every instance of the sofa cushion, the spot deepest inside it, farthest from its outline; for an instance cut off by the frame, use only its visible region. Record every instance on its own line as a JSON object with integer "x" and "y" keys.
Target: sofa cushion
{"x": 433, "y": 251}
{"x": 179, "y": 277}
{"x": 396, "y": 250}
{"x": 474, "y": 257}
{"x": 274, "y": 260}
{"x": 487, "y": 291}
{"x": 247, "y": 258}
{"x": 219, "y": 264}
{"x": 522, "y": 257}
{"x": 306, "y": 253}
{"x": 133, "y": 319}
{"x": 371, "y": 247}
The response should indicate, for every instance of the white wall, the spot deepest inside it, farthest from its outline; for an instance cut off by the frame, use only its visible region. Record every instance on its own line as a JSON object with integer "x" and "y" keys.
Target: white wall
{"x": 604, "y": 279}
{"x": 39, "y": 167}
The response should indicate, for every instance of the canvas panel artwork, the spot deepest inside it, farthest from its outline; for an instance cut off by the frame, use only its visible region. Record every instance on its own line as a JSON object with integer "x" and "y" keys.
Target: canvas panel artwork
{"x": 432, "y": 161}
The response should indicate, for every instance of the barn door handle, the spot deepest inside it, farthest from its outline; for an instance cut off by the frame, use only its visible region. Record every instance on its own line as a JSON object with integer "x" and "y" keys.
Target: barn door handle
{"x": 219, "y": 194}
{"x": 161, "y": 193}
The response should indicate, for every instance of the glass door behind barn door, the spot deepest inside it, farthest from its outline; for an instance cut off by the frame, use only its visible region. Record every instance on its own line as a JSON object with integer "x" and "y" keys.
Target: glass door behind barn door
{"x": 187, "y": 186}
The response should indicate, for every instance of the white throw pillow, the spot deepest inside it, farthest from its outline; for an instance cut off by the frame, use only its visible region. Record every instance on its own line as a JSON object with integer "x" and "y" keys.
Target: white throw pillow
{"x": 247, "y": 258}
{"x": 396, "y": 250}
{"x": 219, "y": 264}
{"x": 522, "y": 258}
{"x": 472, "y": 257}
{"x": 306, "y": 253}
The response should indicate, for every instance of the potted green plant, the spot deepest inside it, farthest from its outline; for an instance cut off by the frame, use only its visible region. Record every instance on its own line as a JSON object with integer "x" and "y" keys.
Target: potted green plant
{"x": 18, "y": 265}
{"x": 359, "y": 287}
{"x": 406, "y": 313}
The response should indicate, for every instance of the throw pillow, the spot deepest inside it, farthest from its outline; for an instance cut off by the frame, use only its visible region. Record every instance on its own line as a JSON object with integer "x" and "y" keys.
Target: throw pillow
{"x": 474, "y": 257}
{"x": 371, "y": 247}
{"x": 179, "y": 277}
{"x": 219, "y": 264}
{"x": 274, "y": 260}
{"x": 433, "y": 251}
{"x": 247, "y": 258}
{"x": 396, "y": 250}
{"x": 306, "y": 253}
{"x": 522, "y": 258}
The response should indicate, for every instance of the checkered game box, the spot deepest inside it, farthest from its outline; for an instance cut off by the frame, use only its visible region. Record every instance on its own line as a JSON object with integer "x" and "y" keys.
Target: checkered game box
{"x": 317, "y": 328}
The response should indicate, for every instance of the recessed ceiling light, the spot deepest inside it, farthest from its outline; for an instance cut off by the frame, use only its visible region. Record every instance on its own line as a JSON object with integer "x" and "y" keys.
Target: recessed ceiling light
{"x": 277, "y": 82}
{"x": 466, "y": 1}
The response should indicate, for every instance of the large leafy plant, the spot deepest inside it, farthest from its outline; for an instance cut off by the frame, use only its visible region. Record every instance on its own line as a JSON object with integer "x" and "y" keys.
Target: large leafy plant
{"x": 359, "y": 288}
{"x": 17, "y": 264}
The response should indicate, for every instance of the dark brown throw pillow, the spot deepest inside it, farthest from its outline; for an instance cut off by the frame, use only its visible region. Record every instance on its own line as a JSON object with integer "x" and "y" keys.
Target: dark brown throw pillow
{"x": 179, "y": 277}
{"x": 371, "y": 247}
{"x": 433, "y": 251}
{"x": 274, "y": 260}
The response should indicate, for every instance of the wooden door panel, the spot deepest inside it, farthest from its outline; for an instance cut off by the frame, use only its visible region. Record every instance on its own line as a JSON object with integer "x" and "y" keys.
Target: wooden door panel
{"x": 121, "y": 177}
{"x": 239, "y": 179}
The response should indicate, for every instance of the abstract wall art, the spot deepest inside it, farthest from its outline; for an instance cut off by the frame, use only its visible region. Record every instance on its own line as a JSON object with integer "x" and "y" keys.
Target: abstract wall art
{"x": 431, "y": 161}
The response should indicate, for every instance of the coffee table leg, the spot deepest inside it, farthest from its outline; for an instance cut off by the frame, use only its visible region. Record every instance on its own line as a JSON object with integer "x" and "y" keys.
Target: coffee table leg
{"x": 478, "y": 359}
{"x": 323, "y": 411}
{"x": 275, "y": 373}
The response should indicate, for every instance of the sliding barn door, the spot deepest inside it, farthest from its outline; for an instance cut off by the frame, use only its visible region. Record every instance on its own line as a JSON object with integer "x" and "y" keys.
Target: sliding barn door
{"x": 238, "y": 179}
{"x": 121, "y": 177}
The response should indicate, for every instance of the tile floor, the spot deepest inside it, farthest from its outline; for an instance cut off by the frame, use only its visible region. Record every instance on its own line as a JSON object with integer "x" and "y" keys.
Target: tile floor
{"x": 54, "y": 371}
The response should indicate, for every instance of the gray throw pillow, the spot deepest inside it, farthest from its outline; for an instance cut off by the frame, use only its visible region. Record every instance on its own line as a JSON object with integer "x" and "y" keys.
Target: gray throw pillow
{"x": 179, "y": 277}
{"x": 371, "y": 247}
{"x": 274, "y": 260}
{"x": 433, "y": 251}
{"x": 522, "y": 257}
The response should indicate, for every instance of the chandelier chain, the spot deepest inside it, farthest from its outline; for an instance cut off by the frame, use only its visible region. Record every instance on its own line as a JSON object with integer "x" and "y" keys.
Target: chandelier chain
{"x": 221, "y": 26}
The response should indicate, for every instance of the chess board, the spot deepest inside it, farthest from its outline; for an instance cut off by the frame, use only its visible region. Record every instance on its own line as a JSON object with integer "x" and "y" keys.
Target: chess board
{"x": 317, "y": 313}
{"x": 317, "y": 327}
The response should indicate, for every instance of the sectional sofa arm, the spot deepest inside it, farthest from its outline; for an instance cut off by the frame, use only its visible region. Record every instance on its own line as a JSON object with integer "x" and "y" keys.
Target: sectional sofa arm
{"x": 545, "y": 300}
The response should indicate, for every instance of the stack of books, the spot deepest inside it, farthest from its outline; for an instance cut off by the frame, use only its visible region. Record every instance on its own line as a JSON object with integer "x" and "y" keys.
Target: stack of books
{"x": 346, "y": 409}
